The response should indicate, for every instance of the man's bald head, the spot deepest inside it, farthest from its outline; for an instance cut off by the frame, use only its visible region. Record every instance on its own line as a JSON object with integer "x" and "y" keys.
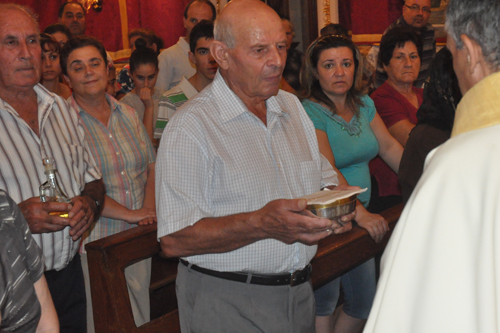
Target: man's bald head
{"x": 250, "y": 48}
{"x": 238, "y": 17}
{"x": 7, "y": 7}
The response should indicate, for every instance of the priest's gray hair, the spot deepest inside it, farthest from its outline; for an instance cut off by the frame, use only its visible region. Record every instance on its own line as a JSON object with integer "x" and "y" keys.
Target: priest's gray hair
{"x": 480, "y": 21}
{"x": 224, "y": 32}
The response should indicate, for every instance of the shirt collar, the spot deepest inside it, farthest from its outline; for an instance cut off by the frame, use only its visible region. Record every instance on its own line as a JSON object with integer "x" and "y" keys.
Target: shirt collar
{"x": 226, "y": 100}
{"x": 115, "y": 105}
{"x": 479, "y": 106}
{"x": 45, "y": 100}
{"x": 43, "y": 95}
{"x": 187, "y": 88}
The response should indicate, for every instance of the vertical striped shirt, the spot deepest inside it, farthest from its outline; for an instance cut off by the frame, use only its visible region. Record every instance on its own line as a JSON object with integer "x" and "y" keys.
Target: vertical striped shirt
{"x": 22, "y": 171}
{"x": 123, "y": 152}
{"x": 216, "y": 158}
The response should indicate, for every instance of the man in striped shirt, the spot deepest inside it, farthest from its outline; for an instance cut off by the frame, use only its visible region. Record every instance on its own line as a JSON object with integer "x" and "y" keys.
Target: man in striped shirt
{"x": 35, "y": 124}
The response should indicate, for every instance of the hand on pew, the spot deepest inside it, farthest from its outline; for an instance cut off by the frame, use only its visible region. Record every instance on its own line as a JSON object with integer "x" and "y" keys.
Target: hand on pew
{"x": 375, "y": 224}
{"x": 143, "y": 216}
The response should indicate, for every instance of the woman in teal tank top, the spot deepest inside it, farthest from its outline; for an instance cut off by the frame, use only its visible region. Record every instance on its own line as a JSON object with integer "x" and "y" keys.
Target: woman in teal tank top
{"x": 350, "y": 133}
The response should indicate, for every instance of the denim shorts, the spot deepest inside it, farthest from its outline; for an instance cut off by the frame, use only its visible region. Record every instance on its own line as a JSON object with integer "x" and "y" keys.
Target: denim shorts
{"x": 359, "y": 287}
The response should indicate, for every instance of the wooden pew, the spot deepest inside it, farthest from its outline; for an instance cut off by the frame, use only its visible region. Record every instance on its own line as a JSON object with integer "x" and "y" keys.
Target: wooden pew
{"x": 339, "y": 254}
{"x": 108, "y": 257}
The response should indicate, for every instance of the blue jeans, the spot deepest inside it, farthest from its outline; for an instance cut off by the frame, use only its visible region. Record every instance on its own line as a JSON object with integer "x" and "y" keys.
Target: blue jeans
{"x": 359, "y": 287}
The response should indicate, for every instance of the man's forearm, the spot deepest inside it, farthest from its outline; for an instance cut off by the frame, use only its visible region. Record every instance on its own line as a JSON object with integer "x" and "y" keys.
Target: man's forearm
{"x": 284, "y": 220}
{"x": 211, "y": 235}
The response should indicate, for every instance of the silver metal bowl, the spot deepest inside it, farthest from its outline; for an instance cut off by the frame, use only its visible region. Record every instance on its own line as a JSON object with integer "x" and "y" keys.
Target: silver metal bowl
{"x": 335, "y": 210}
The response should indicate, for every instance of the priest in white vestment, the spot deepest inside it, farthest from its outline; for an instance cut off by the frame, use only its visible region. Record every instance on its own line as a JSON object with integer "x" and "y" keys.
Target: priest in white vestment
{"x": 441, "y": 269}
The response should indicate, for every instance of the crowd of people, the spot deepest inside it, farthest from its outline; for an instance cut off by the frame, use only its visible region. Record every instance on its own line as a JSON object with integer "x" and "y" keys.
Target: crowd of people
{"x": 217, "y": 138}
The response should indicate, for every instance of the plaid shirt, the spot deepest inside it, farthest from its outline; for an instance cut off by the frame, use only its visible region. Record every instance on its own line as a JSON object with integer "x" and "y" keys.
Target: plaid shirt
{"x": 123, "y": 152}
{"x": 216, "y": 158}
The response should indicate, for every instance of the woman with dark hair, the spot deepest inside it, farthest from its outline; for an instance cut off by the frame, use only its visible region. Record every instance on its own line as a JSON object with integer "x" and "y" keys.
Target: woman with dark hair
{"x": 51, "y": 67}
{"x": 435, "y": 120}
{"x": 59, "y": 31}
{"x": 137, "y": 37}
{"x": 146, "y": 34}
{"x": 144, "y": 98}
{"x": 397, "y": 102}
{"x": 350, "y": 133}
{"x": 123, "y": 151}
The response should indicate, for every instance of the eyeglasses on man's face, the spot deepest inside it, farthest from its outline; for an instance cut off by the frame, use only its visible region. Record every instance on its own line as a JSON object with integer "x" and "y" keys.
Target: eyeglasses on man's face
{"x": 416, "y": 8}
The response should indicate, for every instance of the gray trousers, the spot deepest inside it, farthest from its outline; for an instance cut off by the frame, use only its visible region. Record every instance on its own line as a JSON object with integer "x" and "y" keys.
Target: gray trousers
{"x": 210, "y": 304}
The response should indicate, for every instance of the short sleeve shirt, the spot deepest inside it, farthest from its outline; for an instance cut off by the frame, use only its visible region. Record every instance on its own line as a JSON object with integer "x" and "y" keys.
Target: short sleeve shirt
{"x": 352, "y": 152}
{"x": 394, "y": 107}
{"x": 216, "y": 158}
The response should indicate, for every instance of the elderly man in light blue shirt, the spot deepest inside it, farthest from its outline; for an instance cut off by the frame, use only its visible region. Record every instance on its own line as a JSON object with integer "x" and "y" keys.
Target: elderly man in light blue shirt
{"x": 230, "y": 166}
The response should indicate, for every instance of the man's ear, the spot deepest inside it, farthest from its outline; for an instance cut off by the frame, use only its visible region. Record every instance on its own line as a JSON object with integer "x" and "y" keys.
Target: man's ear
{"x": 192, "y": 58}
{"x": 473, "y": 53}
{"x": 220, "y": 52}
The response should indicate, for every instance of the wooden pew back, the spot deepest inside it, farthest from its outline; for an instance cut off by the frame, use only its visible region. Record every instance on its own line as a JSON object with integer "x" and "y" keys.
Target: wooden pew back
{"x": 109, "y": 256}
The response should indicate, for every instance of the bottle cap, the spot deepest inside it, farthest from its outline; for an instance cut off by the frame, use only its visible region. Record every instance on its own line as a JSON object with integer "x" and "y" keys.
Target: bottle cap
{"x": 48, "y": 163}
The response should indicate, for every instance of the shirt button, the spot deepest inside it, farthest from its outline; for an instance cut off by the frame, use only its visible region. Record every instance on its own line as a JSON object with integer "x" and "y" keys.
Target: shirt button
{"x": 123, "y": 172}
{"x": 127, "y": 192}
{"x": 111, "y": 135}
{"x": 117, "y": 153}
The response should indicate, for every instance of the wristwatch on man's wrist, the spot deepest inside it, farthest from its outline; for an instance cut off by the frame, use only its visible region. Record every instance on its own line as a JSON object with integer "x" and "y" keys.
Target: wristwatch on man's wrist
{"x": 97, "y": 204}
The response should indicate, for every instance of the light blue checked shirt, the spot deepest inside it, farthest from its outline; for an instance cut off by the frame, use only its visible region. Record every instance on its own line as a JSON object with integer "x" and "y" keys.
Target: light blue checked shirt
{"x": 216, "y": 158}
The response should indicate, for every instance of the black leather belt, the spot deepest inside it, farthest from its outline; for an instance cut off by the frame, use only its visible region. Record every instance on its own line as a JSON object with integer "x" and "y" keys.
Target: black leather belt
{"x": 292, "y": 279}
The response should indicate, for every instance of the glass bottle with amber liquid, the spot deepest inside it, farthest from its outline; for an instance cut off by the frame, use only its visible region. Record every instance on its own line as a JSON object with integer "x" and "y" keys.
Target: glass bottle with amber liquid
{"x": 50, "y": 190}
